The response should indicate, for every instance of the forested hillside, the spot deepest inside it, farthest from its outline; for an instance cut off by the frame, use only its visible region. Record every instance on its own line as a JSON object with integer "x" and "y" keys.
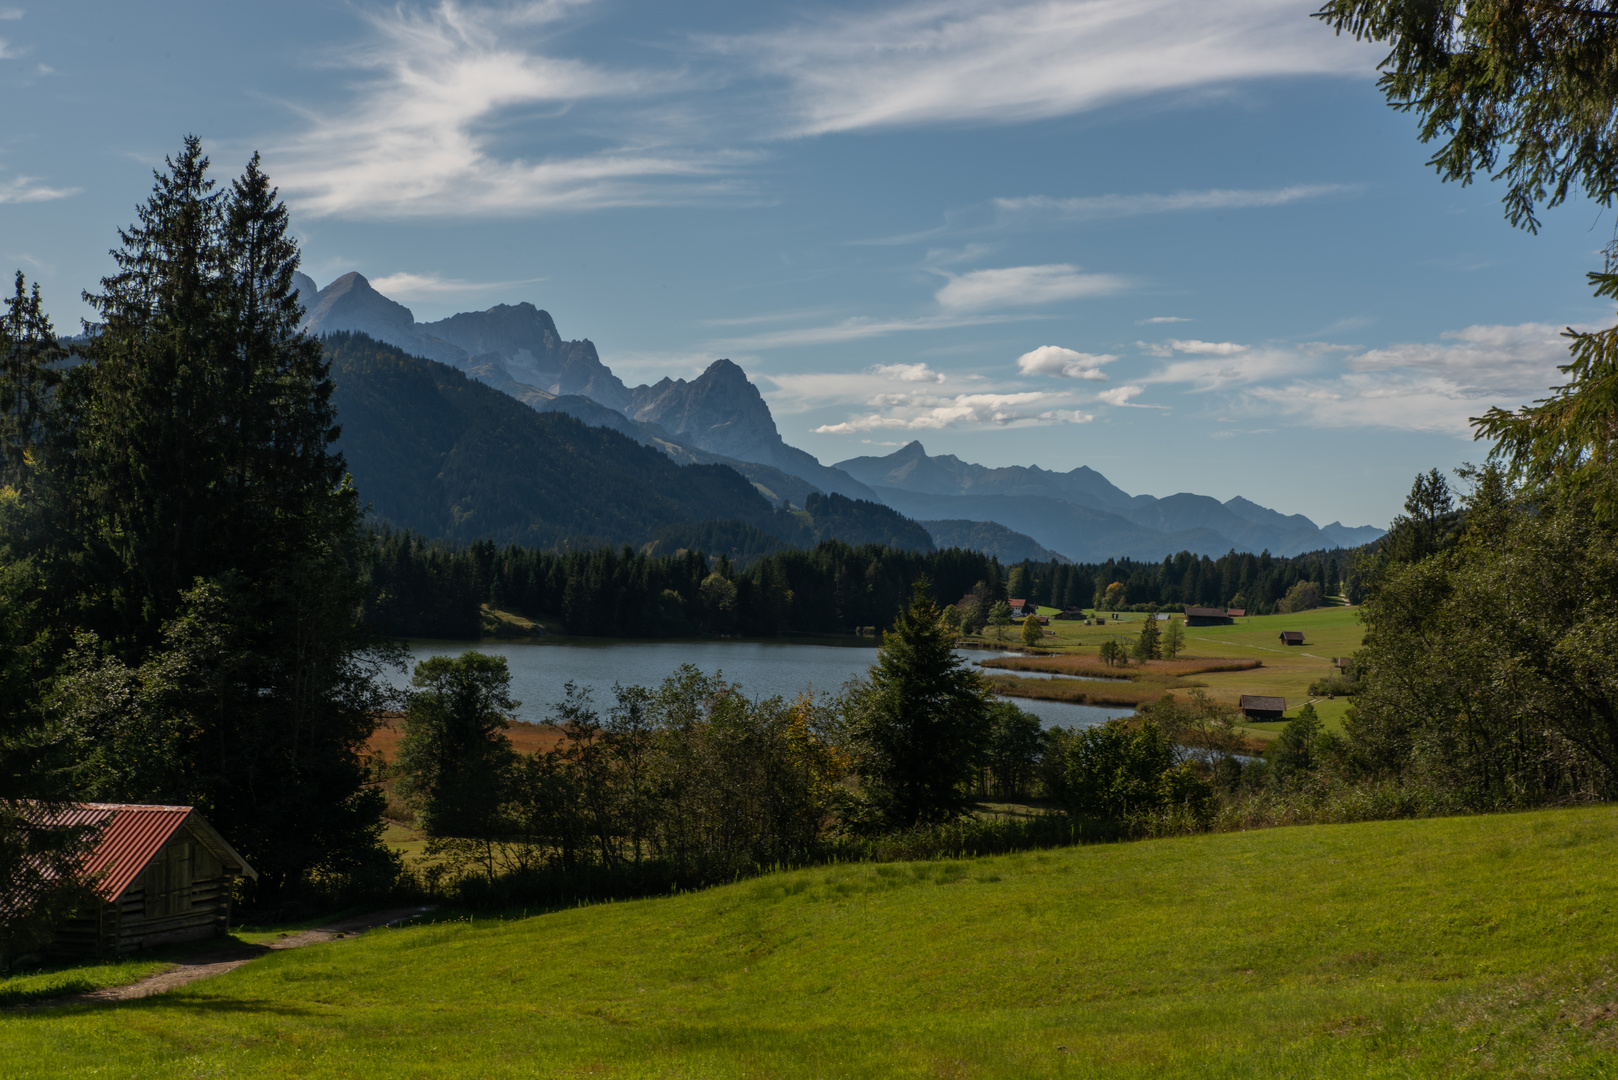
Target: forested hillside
{"x": 434, "y": 451}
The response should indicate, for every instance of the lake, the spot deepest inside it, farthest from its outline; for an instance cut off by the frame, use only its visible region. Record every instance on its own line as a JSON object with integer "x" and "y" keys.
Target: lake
{"x": 539, "y": 669}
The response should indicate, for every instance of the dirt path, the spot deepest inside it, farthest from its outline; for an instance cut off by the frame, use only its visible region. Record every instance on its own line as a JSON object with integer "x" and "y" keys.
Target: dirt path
{"x": 207, "y": 965}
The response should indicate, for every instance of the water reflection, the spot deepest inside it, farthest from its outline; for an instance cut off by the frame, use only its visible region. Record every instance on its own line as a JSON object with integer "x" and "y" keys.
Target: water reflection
{"x": 540, "y": 669}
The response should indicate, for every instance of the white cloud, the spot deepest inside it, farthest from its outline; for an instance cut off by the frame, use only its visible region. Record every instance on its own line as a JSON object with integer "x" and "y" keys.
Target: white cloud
{"x": 1023, "y": 286}
{"x": 1429, "y": 386}
{"x": 942, "y": 61}
{"x": 1161, "y": 319}
{"x": 408, "y": 285}
{"x": 1120, "y": 395}
{"x": 1093, "y": 207}
{"x": 28, "y": 189}
{"x": 9, "y": 13}
{"x": 855, "y": 329}
{"x": 1250, "y": 366}
{"x": 420, "y": 137}
{"x": 1208, "y": 348}
{"x": 920, "y": 412}
{"x": 911, "y": 373}
{"x": 1055, "y": 360}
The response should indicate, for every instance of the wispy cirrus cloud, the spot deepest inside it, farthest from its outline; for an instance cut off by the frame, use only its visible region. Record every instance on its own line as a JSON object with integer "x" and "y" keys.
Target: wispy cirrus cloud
{"x": 1098, "y": 207}
{"x": 412, "y": 286}
{"x": 858, "y": 328}
{"x": 949, "y": 61}
{"x": 1024, "y": 286}
{"x": 419, "y": 137}
{"x": 30, "y": 189}
{"x": 1419, "y": 386}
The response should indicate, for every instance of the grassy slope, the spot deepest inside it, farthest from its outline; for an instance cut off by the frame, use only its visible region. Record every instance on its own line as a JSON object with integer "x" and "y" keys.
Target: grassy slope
{"x": 1475, "y": 946}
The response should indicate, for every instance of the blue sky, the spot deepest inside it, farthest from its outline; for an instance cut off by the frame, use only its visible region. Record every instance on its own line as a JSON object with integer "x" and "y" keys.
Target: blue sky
{"x": 1186, "y": 244}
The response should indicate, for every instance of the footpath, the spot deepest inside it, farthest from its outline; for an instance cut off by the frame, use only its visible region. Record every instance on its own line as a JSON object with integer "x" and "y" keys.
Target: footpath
{"x": 207, "y": 965}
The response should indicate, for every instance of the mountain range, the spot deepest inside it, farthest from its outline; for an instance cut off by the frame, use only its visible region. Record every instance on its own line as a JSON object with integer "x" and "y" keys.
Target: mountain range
{"x": 719, "y": 418}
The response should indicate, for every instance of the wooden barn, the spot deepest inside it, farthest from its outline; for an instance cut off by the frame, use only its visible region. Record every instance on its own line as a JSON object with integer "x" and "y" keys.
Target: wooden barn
{"x": 1262, "y": 708}
{"x": 165, "y": 874}
{"x": 1207, "y": 616}
{"x": 1292, "y": 637}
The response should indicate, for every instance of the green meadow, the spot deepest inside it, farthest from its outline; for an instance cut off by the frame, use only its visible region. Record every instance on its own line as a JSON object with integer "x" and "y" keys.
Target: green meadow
{"x": 1481, "y": 946}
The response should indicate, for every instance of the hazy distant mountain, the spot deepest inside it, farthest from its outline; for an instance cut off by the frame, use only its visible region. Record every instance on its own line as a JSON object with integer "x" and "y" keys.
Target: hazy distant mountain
{"x": 1131, "y": 525}
{"x": 1081, "y": 533}
{"x": 1351, "y": 535}
{"x": 911, "y": 469}
{"x": 991, "y": 539}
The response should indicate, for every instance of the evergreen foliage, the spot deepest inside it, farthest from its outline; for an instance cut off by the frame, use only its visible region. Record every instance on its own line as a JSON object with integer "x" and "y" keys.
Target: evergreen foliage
{"x": 920, "y": 721}
{"x": 190, "y": 550}
{"x": 1520, "y": 92}
{"x": 424, "y": 589}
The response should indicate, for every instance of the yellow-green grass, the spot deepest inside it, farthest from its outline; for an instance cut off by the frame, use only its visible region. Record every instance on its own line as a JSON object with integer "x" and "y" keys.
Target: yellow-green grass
{"x": 1482, "y": 946}
{"x": 1287, "y": 672}
{"x": 32, "y": 982}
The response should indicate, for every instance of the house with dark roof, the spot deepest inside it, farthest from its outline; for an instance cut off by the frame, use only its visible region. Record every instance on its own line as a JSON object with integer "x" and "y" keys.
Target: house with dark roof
{"x": 1262, "y": 708}
{"x": 1207, "y": 616}
{"x": 1292, "y": 637}
{"x": 161, "y": 873}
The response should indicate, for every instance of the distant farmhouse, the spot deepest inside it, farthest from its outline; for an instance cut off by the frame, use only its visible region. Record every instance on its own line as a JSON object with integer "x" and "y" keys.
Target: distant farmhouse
{"x": 166, "y": 875}
{"x": 1262, "y": 708}
{"x": 1292, "y": 637}
{"x": 1021, "y": 608}
{"x": 1207, "y": 616}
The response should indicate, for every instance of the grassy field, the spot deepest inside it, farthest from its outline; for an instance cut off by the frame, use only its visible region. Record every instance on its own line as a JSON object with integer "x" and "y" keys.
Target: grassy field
{"x": 1287, "y": 670}
{"x": 1462, "y": 947}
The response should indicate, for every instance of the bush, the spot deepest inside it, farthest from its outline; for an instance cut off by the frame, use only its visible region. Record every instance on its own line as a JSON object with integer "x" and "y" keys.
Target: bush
{"x": 1334, "y": 686}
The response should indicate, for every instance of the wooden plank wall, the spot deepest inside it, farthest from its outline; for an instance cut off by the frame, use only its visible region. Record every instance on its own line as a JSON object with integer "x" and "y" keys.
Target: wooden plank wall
{"x": 184, "y": 895}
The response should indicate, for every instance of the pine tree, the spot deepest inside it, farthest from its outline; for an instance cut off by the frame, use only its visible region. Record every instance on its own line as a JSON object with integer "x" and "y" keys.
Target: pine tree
{"x": 29, "y": 353}
{"x": 921, "y": 721}
{"x": 213, "y": 520}
{"x": 1148, "y": 646}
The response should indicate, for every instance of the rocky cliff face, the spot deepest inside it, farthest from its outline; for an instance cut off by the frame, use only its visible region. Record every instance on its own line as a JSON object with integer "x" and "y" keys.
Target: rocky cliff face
{"x": 722, "y": 412}
{"x": 513, "y": 348}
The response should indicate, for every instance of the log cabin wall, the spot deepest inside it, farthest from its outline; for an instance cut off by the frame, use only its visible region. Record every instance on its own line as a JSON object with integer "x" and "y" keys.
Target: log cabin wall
{"x": 184, "y": 894}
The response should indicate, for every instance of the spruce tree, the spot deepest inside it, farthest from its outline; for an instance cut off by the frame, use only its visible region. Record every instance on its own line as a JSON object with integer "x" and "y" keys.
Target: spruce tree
{"x": 214, "y": 522}
{"x": 921, "y": 721}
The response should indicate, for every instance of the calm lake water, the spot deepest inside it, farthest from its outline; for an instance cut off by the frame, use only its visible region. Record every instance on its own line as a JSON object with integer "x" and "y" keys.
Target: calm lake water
{"x": 540, "y": 669}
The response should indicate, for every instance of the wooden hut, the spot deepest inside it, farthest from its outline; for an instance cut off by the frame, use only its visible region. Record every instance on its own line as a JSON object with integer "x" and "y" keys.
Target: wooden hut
{"x": 1262, "y": 708}
{"x": 1206, "y": 616}
{"x": 1292, "y": 637}
{"x": 163, "y": 875}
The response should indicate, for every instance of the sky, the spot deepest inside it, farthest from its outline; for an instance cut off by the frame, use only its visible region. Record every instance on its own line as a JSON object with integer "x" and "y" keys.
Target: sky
{"x": 1186, "y": 244}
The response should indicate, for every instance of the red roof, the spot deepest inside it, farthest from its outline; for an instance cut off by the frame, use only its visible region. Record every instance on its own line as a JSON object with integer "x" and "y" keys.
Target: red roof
{"x": 131, "y": 833}
{"x": 1016, "y": 603}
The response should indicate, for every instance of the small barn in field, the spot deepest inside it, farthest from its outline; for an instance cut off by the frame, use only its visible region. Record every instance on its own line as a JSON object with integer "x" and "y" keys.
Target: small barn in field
{"x": 165, "y": 875}
{"x": 1206, "y": 616}
{"x": 1262, "y": 708}
{"x": 1292, "y": 637}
